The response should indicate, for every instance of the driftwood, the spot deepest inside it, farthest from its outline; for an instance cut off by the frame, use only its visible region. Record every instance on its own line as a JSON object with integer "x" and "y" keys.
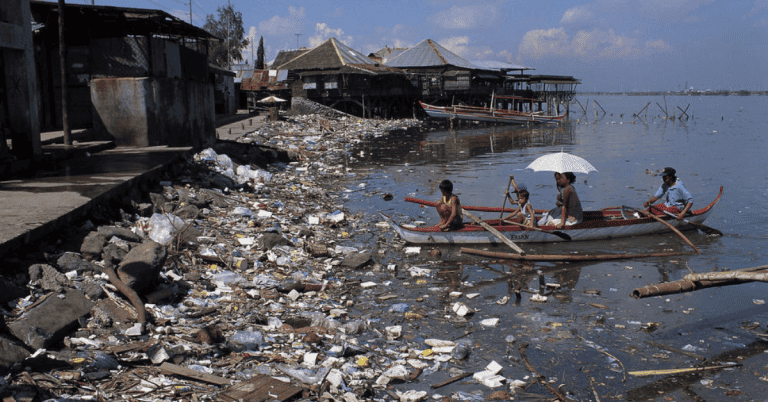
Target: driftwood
{"x": 450, "y": 380}
{"x": 566, "y": 257}
{"x": 761, "y": 276}
{"x": 685, "y": 370}
{"x": 693, "y": 282}
{"x": 131, "y": 294}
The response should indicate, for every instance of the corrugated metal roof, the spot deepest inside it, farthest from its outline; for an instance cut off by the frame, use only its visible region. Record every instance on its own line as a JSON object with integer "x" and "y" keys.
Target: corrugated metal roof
{"x": 285, "y": 56}
{"x": 428, "y": 53}
{"x": 499, "y": 65}
{"x": 349, "y": 55}
{"x": 243, "y": 74}
{"x": 388, "y": 53}
{"x": 106, "y": 21}
{"x": 333, "y": 55}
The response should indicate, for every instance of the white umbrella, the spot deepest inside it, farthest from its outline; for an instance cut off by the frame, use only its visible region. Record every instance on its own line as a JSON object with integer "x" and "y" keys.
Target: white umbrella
{"x": 272, "y": 99}
{"x": 561, "y": 162}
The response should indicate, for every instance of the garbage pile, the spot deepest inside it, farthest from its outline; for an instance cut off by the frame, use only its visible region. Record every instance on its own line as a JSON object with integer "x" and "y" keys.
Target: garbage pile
{"x": 240, "y": 280}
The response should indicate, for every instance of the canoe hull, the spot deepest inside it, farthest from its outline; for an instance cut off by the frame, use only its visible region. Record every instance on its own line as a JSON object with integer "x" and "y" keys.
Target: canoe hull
{"x": 487, "y": 115}
{"x": 598, "y": 225}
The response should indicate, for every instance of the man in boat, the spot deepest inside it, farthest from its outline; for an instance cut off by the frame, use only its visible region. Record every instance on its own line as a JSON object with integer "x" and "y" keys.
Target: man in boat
{"x": 677, "y": 199}
{"x": 449, "y": 208}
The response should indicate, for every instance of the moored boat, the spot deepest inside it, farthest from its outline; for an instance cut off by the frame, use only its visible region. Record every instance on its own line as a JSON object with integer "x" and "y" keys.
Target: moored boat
{"x": 597, "y": 225}
{"x": 484, "y": 114}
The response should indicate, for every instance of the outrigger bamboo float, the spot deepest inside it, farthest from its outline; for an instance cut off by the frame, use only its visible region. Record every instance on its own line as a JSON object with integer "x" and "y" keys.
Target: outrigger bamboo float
{"x": 605, "y": 224}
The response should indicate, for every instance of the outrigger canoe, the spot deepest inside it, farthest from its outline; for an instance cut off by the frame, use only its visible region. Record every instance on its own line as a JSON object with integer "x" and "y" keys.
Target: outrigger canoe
{"x": 597, "y": 225}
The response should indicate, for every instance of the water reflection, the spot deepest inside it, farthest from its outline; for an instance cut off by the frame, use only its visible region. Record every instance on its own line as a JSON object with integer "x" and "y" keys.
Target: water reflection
{"x": 722, "y": 144}
{"x": 462, "y": 145}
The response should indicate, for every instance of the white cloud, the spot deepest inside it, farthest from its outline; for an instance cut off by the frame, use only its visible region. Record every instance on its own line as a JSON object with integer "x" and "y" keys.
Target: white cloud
{"x": 658, "y": 45}
{"x": 323, "y": 32}
{"x": 456, "y": 44}
{"x": 466, "y": 17}
{"x": 586, "y": 45}
{"x": 576, "y": 15}
{"x": 541, "y": 43}
{"x": 288, "y": 25}
{"x": 392, "y": 38}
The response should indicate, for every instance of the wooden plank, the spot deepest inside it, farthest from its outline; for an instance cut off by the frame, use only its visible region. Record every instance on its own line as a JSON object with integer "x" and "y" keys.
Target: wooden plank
{"x": 173, "y": 369}
{"x": 260, "y": 388}
{"x": 450, "y": 380}
{"x": 131, "y": 347}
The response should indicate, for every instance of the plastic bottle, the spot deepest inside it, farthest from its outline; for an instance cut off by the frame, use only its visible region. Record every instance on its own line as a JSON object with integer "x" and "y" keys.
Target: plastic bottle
{"x": 246, "y": 340}
{"x": 460, "y": 351}
{"x": 163, "y": 227}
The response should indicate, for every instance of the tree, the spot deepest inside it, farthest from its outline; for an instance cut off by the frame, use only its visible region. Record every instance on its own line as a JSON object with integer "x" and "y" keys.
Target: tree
{"x": 229, "y": 28}
{"x": 260, "y": 55}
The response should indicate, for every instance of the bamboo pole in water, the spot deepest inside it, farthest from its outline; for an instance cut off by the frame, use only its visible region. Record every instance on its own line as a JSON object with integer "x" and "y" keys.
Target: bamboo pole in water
{"x": 566, "y": 257}
{"x": 693, "y": 282}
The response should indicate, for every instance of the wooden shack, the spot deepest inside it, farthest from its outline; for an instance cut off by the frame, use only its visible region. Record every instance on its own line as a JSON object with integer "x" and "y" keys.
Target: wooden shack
{"x": 137, "y": 76}
{"x": 442, "y": 77}
{"x": 338, "y": 76}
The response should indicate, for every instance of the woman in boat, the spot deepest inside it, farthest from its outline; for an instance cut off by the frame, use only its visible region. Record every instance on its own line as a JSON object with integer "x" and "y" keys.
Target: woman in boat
{"x": 677, "y": 199}
{"x": 571, "y": 208}
{"x": 524, "y": 214}
{"x": 555, "y": 212}
{"x": 449, "y": 208}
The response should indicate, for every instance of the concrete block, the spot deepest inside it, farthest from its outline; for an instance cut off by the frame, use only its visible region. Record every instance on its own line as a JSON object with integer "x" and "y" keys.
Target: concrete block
{"x": 11, "y": 352}
{"x": 92, "y": 245}
{"x": 47, "y": 277}
{"x": 52, "y": 319}
{"x": 122, "y": 233}
{"x": 140, "y": 269}
{"x": 356, "y": 260}
{"x": 74, "y": 262}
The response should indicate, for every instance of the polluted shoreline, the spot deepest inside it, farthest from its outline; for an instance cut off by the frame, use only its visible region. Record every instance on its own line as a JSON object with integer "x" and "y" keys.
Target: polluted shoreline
{"x": 243, "y": 276}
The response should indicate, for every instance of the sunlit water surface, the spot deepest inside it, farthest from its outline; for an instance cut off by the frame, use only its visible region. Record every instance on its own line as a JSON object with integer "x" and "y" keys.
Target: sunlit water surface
{"x": 723, "y": 143}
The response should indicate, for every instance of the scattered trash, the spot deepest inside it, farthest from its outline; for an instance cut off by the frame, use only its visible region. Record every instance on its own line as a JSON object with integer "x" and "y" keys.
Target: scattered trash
{"x": 266, "y": 293}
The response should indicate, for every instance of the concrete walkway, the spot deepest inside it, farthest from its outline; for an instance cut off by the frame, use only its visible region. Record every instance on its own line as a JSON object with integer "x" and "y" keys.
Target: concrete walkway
{"x": 83, "y": 176}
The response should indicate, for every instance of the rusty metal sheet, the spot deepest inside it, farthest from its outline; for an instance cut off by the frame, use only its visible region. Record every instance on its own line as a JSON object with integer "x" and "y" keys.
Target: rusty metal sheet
{"x": 260, "y": 388}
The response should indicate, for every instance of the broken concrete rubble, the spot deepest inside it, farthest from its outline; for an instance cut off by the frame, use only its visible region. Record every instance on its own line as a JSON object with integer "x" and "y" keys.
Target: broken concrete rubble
{"x": 253, "y": 285}
{"x": 51, "y": 318}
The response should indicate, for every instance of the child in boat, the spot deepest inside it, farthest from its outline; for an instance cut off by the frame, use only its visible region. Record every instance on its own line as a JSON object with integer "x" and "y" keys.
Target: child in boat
{"x": 449, "y": 208}
{"x": 524, "y": 214}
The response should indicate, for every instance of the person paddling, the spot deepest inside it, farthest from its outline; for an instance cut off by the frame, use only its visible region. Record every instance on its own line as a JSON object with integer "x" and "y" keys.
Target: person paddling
{"x": 449, "y": 208}
{"x": 524, "y": 214}
{"x": 677, "y": 199}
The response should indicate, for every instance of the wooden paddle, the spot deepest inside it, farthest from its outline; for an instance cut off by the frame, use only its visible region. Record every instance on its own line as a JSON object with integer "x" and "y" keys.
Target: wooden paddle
{"x": 704, "y": 228}
{"x": 503, "y": 204}
{"x": 495, "y": 232}
{"x": 557, "y": 233}
{"x": 667, "y": 224}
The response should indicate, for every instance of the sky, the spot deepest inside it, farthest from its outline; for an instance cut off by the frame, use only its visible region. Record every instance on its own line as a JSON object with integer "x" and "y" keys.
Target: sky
{"x": 610, "y": 45}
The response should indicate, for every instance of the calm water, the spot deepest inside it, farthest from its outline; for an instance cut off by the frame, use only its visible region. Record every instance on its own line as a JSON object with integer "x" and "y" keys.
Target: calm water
{"x": 723, "y": 144}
